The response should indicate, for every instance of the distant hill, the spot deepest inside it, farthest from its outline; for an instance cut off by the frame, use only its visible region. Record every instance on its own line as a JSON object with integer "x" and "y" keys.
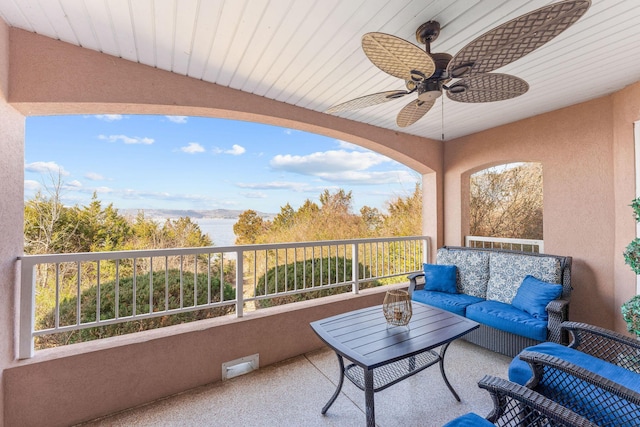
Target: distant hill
{"x": 194, "y": 214}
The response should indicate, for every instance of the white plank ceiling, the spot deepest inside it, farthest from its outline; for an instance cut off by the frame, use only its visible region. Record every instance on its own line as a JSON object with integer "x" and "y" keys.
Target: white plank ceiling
{"x": 308, "y": 53}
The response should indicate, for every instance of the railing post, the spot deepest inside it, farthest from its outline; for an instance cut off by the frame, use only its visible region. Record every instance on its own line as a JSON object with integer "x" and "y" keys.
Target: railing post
{"x": 239, "y": 283}
{"x": 354, "y": 268}
{"x": 27, "y": 310}
{"x": 425, "y": 251}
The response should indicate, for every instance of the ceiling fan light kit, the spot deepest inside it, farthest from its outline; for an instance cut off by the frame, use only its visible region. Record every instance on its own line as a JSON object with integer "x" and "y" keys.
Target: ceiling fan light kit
{"x": 466, "y": 76}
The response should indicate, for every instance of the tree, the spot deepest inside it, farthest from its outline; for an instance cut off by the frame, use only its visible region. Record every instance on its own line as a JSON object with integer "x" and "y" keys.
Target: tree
{"x": 507, "y": 201}
{"x": 183, "y": 233}
{"x": 47, "y": 225}
{"x": 404, "y": 217}
{"x": 372, "y": 219}
{"x": 249, "y": 228}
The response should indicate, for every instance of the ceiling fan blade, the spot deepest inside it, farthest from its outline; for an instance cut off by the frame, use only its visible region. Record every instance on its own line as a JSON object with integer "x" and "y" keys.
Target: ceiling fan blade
{"x": 413, "y": 111}
{"x": 487, "y": 88}
{"x": 367, "y": 101}
{"x": 397, "y": 56}
{"x": 516, "y": 38}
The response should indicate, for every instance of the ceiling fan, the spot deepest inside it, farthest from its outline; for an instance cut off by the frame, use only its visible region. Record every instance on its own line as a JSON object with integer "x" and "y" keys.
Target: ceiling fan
{"x": 467, "y": 76}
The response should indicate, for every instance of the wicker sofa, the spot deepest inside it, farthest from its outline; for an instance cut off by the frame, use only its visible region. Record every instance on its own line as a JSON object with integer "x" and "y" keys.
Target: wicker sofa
{"x": 597, "y": 375}
{"x": 502, "y": 290}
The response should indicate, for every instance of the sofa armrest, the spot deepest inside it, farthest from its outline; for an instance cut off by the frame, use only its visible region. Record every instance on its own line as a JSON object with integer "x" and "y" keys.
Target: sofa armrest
{"x": 600, "y": 399}
{"x": 604, "y": 344}
{"x": 513, "y": 402}
{"x": 416, "y": 281}
{"x": 558, "y": 311}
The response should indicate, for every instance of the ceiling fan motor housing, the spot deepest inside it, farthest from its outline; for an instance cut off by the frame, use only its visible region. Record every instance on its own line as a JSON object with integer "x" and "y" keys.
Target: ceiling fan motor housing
{"x": 429, "y": 90}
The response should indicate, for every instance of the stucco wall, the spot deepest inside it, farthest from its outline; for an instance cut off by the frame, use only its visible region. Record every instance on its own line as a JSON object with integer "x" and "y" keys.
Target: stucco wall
{"x": 85, "y": 381}
{"x": 11, "y": 210}
{"x": 576, "y": 148}
{"x": 626, "y": 111}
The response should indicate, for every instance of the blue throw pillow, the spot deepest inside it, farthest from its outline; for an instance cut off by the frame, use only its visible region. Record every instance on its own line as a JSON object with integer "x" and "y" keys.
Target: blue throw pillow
{"x": 441, "y": 278}
{"x": 533, "y": 296}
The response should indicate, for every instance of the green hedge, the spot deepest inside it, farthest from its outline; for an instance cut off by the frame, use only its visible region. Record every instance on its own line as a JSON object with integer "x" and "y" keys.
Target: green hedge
{"x": 88, "y": 302}
{"x": 312, "y": 272}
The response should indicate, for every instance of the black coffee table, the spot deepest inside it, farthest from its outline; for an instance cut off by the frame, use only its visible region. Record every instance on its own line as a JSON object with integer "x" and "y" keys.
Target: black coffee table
{"x": 382, "y": 355}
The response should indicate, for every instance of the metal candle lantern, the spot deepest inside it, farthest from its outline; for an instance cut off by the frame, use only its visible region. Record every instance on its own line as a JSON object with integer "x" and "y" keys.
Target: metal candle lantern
{"x": 397, "y": 308}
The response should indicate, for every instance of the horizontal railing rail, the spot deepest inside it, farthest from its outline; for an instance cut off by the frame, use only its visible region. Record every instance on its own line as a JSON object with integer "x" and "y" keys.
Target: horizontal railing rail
{"x": 107, "y": 288}
{"x": 525, "y": 245}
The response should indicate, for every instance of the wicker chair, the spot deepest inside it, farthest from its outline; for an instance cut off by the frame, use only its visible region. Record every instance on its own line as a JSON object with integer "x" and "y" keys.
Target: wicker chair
{"x": 589, "y": 394}
{"x": 604, "y": 344}
{"x": 518, "y": 406}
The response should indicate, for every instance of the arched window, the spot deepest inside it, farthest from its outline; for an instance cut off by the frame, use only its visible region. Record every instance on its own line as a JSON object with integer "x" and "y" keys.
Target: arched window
{"x": 506, "y": 201}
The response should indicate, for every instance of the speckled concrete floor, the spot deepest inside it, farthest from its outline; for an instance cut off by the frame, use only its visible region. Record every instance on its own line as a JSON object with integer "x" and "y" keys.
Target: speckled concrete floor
{"x": 293, "y": 392}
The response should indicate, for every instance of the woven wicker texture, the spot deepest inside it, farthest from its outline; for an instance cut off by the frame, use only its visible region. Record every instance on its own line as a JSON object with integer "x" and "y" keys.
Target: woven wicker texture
{"x": 517, "y": 406}
{"x": 396, "y": 56}
{"x": 412, "y": 112}
{"x": 392, "y": 373}
{"x": 518, "y": 37}
{"x": 596, "y": 398}
{"x": 605, "y": 344}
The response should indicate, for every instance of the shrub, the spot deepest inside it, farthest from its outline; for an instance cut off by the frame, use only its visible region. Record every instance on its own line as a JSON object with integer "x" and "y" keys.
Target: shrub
{"x": 88, "y": 306}
{"x": 308, "y": 274}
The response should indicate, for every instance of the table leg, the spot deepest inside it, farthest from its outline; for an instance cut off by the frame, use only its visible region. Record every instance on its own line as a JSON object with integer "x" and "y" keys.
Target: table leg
{"x": 444, "y": 376}
{"x": 337, "y": 392}
{"x": 368, "y": 398}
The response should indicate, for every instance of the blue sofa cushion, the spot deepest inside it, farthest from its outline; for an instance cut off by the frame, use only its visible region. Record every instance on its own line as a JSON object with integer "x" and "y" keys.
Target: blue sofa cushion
{"x": 468, "y": 420}
{"x": 533, "y": 296}
{"x": 441, "y": 278}
{"x": 455, "y": 303}
{"x": 520, "y": 372}
{"x": 506, "y": 317}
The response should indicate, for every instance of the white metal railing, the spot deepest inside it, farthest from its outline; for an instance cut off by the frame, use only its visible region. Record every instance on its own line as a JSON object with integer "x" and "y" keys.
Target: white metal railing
{"x": 106, "y": 288}
{"x": 525, "y": 245}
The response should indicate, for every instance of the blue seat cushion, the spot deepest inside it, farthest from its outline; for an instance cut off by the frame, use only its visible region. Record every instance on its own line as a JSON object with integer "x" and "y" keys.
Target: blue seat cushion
{"x": 455, "y": 303}
{"x": 468, "y": 420}
{"x": 520, "y": 372}
{"x": 593, "y": 402}
{"x": 506, "y": 317}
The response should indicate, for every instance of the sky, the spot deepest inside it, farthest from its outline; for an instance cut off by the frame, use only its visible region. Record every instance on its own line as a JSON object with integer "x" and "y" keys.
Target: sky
{"x": 179, "y": 162}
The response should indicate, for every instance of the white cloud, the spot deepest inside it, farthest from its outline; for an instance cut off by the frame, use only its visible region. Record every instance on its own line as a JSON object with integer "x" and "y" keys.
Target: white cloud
{"x": 127, "y": 139}
{"x": 177, "y": 119}
{"x": 235, "y": 150}
{"x": 273, "y": 185}
{"x": 193, "y": 148}
{"x": 103, "y": 190}
{"x": 94, "y": 176}
{"x": 74, "y": 184}
{"x": 333, "y": 161}
{"x": 108, "y": 117}
{"x": 370, "y": 177}
{"x": 255, "y": 195}
{"x": 31, "y": 185}
{"x": 45, "y": 167}
{"x": 351, "y": 147}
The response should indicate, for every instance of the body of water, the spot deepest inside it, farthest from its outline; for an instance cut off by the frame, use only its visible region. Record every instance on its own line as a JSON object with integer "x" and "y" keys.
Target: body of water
{"x": 220, "y": 230}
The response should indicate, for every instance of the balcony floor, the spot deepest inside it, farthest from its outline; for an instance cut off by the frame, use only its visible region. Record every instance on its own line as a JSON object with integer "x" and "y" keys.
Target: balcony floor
{"x": 294, "y": 391}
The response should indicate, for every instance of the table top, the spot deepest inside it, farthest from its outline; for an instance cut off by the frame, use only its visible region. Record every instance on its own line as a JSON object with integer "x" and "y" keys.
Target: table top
{"x": 363, "y": 336}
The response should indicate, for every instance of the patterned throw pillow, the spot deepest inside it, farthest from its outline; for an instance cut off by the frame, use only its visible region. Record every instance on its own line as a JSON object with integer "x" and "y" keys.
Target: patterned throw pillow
{"x": 473, "y": 269}
{"x": 509, "y": 270}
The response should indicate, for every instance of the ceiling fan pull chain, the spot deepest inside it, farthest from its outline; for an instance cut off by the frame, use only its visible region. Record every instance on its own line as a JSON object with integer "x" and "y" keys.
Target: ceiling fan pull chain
{"x": 442, "y": 122}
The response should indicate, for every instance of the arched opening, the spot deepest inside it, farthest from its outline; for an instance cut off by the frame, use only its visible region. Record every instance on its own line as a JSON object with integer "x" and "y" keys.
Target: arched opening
{"x": 506, "y": 206}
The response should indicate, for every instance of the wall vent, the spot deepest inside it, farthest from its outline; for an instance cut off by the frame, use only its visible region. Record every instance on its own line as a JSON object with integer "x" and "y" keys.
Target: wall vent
{"x": 241, "y": 366}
